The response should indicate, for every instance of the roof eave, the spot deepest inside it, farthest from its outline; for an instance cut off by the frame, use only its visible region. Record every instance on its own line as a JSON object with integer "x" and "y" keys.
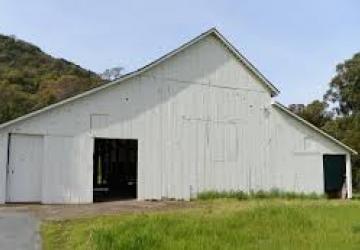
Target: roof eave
{"x": 320, "y": 131}
{"x": 274, "y": 91}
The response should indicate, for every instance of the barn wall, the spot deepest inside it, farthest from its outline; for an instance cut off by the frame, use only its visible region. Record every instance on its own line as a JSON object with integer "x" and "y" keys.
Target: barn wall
{"x": 296, "y": 154}
{"x": 208, "y": 62}
{"x": 202, "y": 122}
{"x": 221, "y": 122}
{"x": 67, "y": 174}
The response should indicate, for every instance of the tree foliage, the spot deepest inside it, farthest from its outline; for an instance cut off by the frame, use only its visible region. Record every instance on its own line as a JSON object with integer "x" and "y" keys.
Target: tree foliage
{"x": 315, "y": 112}
{"x": 112, "y": 74}
{"x": 344, "y": 88}
{"x": 30, "y": 79}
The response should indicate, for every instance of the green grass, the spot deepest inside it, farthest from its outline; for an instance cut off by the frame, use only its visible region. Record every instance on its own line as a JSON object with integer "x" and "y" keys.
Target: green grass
{"x": 217, "y": 224}
{"x": 240, "y": 195}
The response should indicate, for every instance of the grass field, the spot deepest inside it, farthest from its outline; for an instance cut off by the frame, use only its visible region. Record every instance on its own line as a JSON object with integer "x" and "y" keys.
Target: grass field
{"x": 218, "y": 224}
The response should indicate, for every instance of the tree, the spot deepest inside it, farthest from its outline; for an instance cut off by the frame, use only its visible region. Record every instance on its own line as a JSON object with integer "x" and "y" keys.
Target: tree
{"x": 344, "y": 88}
{"x": 316, "y": 112}
{"x": 112, "y": 74}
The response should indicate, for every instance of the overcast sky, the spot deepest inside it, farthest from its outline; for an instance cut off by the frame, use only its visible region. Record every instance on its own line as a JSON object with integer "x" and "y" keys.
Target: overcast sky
{"x": 296, "y": 44}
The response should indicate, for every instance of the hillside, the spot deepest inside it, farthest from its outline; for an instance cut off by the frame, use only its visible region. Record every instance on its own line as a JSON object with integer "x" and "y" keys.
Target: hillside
{"x": 31, "y": 79}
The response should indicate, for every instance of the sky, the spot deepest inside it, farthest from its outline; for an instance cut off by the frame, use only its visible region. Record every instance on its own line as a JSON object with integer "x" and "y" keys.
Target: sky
{"x": 295, "y": 44}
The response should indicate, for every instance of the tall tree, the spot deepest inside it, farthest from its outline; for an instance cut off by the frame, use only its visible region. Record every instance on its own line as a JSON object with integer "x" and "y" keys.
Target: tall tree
{"x": 344, "y": 88}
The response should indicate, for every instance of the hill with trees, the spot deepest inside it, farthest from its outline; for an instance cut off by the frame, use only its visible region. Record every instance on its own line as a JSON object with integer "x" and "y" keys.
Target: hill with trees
{"x": 31, "y": 79}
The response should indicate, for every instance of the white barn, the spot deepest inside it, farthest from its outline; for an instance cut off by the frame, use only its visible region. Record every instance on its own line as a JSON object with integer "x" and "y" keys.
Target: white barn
{"x": 200, "y": 118}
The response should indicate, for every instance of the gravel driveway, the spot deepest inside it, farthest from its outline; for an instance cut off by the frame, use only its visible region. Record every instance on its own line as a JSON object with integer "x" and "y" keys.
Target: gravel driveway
{"x": 18, "y": 231}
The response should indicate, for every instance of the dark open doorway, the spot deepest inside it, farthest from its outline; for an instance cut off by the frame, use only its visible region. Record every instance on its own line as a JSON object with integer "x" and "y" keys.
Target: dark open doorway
{"x": 115, "y": 169}
{"x": 334, "y": 175}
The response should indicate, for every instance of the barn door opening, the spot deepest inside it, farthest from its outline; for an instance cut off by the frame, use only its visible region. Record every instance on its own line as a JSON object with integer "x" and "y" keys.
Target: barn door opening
{"x": 334, "y": 175}
{"x": 115, "y": 169}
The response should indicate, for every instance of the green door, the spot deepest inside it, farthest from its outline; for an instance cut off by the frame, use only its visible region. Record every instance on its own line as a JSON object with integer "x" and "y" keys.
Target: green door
{"x": 334, "y": 172}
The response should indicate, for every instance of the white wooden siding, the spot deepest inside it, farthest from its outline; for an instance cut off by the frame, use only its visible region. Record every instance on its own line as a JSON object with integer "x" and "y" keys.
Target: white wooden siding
{"x": 297, "y": 154}
{"x": 202, "y": 121}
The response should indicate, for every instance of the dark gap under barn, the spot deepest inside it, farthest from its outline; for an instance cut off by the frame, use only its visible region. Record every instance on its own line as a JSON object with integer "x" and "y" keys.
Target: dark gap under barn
{"x": 115, "y": 169}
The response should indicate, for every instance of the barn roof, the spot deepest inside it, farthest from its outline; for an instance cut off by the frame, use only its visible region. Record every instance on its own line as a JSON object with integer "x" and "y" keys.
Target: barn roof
{"x": 311, "y": 126}
{"x": 213, "y": 31}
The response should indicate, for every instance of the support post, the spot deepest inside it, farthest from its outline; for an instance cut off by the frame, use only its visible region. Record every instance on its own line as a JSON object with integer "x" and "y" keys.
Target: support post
{"x": 348, "y": 176}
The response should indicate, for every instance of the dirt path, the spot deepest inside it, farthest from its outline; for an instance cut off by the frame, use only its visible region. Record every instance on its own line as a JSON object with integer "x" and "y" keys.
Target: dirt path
{"x": 57, "y": 212}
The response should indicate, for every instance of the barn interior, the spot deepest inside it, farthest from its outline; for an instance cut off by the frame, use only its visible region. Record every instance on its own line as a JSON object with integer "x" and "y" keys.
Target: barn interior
{"x": 334, "y": 175}
{"x": 115, "y": 169}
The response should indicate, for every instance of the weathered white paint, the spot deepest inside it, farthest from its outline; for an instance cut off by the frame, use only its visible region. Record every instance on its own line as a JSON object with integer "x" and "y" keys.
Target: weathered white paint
{"x": 25, "y": 168}
{"x": 66, "y": 176}
{"x": 203, "y": 121}
{"x": 297, "y": 154}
